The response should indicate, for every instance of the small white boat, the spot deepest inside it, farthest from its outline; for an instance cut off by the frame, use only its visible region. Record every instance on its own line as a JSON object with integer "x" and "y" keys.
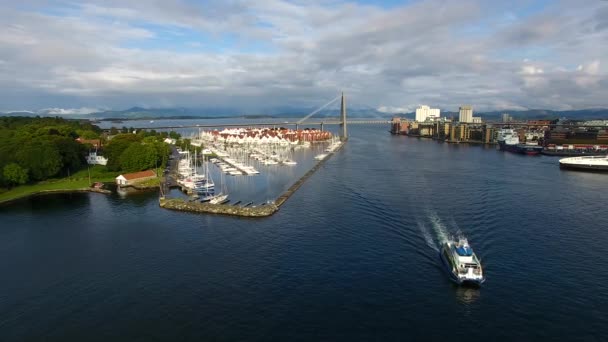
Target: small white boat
{"x": 289, "y": 162}
{"x": 321, "y": 156}
{"x": 219, "y": 199}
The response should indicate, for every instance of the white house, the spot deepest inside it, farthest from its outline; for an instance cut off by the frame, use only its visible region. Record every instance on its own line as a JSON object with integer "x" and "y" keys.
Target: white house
{"x": 93, "y": 158}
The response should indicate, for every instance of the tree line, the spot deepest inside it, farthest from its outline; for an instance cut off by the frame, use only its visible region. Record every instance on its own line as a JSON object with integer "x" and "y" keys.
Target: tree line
{"x": 35, "y": 149}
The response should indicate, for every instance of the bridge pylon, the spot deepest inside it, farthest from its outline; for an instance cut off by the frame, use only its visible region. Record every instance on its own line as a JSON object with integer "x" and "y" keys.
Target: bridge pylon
{"x": 344, "y": 132}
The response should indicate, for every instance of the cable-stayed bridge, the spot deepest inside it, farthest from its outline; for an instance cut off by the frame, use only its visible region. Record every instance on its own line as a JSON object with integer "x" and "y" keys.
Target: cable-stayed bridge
{"x": 341, "y": 120}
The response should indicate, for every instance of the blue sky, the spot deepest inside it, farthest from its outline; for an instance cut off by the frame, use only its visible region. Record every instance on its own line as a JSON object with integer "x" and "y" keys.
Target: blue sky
{"x": 255, "y": 55}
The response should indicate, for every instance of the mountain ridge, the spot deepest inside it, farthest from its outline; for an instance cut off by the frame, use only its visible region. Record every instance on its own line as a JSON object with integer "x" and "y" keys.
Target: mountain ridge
{"x": 136, "y": 113}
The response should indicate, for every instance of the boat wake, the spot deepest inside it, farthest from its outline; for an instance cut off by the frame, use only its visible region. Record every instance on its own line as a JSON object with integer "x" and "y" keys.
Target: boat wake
{"x": 439, "y": 228}
{"x": 428, "y": 236}
{"x": 437, "y": 232}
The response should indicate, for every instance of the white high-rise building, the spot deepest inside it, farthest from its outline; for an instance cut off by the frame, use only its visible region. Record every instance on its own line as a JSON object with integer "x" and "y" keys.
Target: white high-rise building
{"x": 466, "y": 114}
{"x": 425, "y": 112}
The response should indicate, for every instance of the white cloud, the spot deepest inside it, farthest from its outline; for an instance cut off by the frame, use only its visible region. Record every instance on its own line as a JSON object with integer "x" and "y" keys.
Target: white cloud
{"x": 68, "y": 111}
{"x": 393, "y": 110}
{"x": 283, "y": 53}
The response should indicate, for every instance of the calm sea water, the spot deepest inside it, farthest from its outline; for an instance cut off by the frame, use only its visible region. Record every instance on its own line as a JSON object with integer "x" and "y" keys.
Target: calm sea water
{"x": 352, "y": 256}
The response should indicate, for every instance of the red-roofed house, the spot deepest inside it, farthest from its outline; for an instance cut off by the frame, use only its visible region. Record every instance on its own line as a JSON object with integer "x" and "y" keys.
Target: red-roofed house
{"x": 95, "y": 142}
{"x": 132, "y": 178}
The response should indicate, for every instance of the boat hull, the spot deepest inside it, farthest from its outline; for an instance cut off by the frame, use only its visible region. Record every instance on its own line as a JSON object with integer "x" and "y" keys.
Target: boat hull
{"x": 530, "y": 150}
{"x": 583, "y": 167}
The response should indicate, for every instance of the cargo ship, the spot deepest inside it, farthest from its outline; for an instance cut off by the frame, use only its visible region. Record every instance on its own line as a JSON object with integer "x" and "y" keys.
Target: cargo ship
{"x": 508, "y": 140}
{"x": 590, "y": 163}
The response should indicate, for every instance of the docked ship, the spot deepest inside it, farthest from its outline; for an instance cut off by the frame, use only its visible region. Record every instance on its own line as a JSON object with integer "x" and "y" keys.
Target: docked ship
{"x": 461, "y": 263}
{"x": 508, "y": 140}
{"x": 589, "y": 163}
{"x": 575, "y": 150}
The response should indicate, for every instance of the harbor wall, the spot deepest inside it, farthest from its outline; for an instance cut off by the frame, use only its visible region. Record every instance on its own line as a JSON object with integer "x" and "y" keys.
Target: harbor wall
{"x": 223, "y": 209}
{"x": 292, "y": 189}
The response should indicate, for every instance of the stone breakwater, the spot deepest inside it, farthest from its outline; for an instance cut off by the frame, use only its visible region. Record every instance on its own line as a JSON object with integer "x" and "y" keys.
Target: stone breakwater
{"x": 223, "y": 209}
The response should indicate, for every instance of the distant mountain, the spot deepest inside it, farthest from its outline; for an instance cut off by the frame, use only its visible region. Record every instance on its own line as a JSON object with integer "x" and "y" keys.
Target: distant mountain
{"x": 285, "y": 112}
{"x": 135, "y": 113}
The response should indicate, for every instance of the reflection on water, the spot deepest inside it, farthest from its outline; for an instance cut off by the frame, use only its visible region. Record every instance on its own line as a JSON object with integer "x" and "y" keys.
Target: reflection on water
{"x": 467, "y": 295}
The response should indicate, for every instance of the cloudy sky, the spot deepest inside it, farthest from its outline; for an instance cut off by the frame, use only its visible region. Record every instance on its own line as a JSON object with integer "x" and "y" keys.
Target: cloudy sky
{"x": 391, "y": 55}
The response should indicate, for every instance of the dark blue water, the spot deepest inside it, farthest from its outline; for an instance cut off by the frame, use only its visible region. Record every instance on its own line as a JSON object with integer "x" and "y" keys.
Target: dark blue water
{"x": 350, "y": 257}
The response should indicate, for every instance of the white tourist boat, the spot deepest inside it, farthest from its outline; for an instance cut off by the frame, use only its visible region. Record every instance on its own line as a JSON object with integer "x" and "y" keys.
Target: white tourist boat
{"x": 461, "y": 263}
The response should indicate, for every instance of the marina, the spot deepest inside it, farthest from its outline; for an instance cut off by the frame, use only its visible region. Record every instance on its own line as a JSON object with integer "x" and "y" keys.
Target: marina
{"x": 249, "y": 165}
{"x": 243, "y": 206}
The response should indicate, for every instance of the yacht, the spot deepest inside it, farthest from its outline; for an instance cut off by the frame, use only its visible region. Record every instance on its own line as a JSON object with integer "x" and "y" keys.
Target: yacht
{"x": 321, "y": 156}
{"x": 461, "y": 263}
{"x": 219, "y": 199}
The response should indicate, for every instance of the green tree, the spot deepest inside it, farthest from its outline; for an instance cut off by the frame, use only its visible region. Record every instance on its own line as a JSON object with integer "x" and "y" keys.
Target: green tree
{"x": 87, "y": 134}
{"x": 40, "y": 158}
{"x": 15, "y": 174}
{"x": 72, "y": 152}
{"x": 116, "y": 147}
{"x": 138, "y": 157}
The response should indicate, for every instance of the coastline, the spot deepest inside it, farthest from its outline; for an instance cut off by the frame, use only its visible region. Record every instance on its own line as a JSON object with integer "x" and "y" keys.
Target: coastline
{"x": 52, "y": 191}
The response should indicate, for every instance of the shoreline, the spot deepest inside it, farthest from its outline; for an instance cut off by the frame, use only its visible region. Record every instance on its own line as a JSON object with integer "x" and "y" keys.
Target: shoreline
{"x": 53, "y": 191}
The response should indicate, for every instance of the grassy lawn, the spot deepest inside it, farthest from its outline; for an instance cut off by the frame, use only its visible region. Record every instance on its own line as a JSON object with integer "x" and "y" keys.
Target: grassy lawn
{"x": 150, "y": 182}
{"x": 78, "y": 180}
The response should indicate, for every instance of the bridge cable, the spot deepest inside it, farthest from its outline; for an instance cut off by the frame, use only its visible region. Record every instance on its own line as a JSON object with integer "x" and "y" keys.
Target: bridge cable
{"x": 318, "y": 110}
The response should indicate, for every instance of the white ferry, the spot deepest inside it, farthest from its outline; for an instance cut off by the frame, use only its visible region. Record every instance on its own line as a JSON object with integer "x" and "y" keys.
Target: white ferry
{"x": 461, "y": 263}
{"x": 587, "y": 163}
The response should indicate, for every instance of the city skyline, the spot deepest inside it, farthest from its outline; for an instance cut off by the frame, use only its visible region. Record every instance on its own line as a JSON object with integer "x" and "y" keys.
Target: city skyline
{"x": 389, "y": 55}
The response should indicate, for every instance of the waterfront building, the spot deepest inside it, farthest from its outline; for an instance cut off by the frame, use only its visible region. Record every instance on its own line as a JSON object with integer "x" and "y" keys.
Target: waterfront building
{"x": 489, "y": 135}
{"x": 596, "y": 123}
{"x": 396, "y": 126}
{"x": 460, "y": 132}
{"x": 133, "y": 178}
{"x": 465, "y": 114}
{"x": 424, "y": 113}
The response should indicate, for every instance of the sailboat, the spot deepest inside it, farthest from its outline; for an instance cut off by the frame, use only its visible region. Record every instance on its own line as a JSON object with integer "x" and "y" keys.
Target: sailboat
{"x": 207, "y": 184}
{"x": 222, "y": 197}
